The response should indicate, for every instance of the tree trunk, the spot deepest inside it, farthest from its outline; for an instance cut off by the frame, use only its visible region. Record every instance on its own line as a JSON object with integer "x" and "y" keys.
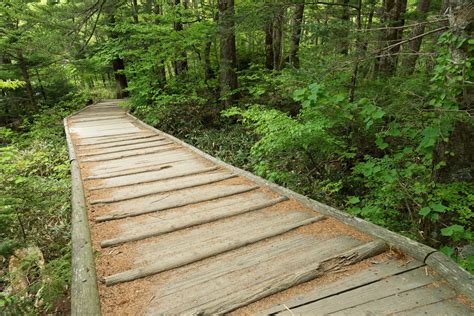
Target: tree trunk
{"x": 26, "y": 78}
{"x": 228, "y": 76}
{"x": 160, "y": 69}
{"x": 135, "y": 11}
{"x": 460, "y": 144}
{"x": 269, "y": 45}
{"x": 120, "y": 78}
{"x": 414, "y": 45}
{"x": 181, "y": 64}
{"x": 296, "y": 35}
{"x": 343, "y": 34}
{"x": 278, "y": 38}
{"x": 392, "y": 17}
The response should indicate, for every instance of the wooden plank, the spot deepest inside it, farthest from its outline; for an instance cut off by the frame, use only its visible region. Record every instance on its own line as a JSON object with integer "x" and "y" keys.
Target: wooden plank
{"x": 157, "y": 187}
{"x": 185, "y": 220}
{"x": 242, "y": 286}
{"x": 171, "y": 200}
{"x": 167, "y": 172}
{"x": 129, "y": 148}
{"x": 122, "y": 143}
{"x": 449, "y": 307}
{"x": 401, "y": 301}
{"x": 131, "y": 171}
{"x": 462, "y": 280}
{"x": 183, "y": 249}
{"x": 374, "y": 273}
{"x": 116, "y": 133}
{"x": 112, "y": 140}
{"x": 131, "y": 163}
{"x": 108, "y": 132}
{"x": 83, "y": 280}
{"x": 390, "y": 286}
{"x": 141, "y": 152}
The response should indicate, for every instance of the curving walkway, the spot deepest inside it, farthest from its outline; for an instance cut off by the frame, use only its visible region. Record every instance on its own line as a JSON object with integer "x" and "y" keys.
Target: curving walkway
{"x": 177, "y": 232}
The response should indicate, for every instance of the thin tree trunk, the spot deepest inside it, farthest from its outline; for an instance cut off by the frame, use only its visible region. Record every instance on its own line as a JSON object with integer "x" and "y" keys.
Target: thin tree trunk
{"x": 269, "y": 45}
{"x": 135, "y": 11}
{"x": 160, "y": 69}
{"x": 278, "y": 38}
{"x": 415, "y": 45}
{"x": 181, "y": 64}
{"x": 392, "y": 17}
{"x": 343, "y": 34}
{"x": 228, "y": 76}
{"x": 359, "y": 50}
{"x": 26, "y": 78}
{"x": 43, "y": 93}
{"x": 296, "y": 35}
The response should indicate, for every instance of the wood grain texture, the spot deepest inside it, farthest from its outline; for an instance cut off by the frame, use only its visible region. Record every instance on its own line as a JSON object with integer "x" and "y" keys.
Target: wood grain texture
{"x": 83, "y": 281}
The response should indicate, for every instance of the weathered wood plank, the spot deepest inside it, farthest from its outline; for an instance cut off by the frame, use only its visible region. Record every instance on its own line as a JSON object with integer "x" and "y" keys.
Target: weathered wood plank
{"x": 198, "y": 217}
{"x": 157, "y": 187}
{"x": 96, "y": 141}
{"x": 142, "y": 152}
{"x": 258, "y": 281}
{"x": 133, "y": 171}
{"x": 171, "y": 200}
{"x": 183, "y": 251}
{"x": 375, "y": 272}
{"x": 129, "y": 148}
{"x": 446, "y": 308}
{"x": 83, "y": 283}
{"x": 401, "y": 301}
{"x": 123, "y": 143}
{"x": 390, "y": 286}
{"x": 462, "y": 280}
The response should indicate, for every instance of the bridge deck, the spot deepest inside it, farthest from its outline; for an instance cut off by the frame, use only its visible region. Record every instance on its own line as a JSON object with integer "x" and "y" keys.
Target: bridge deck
{"x": 177, "y": 233}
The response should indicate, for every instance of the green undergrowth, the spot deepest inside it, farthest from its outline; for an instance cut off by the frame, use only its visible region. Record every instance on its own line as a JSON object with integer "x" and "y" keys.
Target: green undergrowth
{"x": 374, "y": 157}
{"x": 35, "y": 212}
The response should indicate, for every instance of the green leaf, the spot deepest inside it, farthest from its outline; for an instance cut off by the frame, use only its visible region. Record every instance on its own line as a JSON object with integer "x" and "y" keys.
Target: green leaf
{"x": 424, "y": 211}
{"x": 452, "y": 230}
{"x": 354, "y": 200}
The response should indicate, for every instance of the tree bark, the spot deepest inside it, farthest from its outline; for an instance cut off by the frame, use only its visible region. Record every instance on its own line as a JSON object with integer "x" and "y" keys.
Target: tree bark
{"x": 181, "y": 64}
{"x": 460, "y": 144}
{"x": 135, "y": 11}
{"x": 269, "y": 45}
{"x": 343, "y": 34}
{"x": 26, "y": 77}
{"x": 415, "y": 45}
{"x": 278, "y": 38}
{"x": 120, "y": 78}
{"x": 228, "y": 76}
{"x": 160, "y": 69}
{"x": 392, "y": 17}
{"x": 296, "y": 35}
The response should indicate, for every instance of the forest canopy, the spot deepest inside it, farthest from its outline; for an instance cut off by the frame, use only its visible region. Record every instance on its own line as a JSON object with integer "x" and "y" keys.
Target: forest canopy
{"x": 365, "y": 105}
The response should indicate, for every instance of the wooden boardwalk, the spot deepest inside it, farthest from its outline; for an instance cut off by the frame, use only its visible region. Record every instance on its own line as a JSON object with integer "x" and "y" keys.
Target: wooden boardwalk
{"x": 175, "y": 231}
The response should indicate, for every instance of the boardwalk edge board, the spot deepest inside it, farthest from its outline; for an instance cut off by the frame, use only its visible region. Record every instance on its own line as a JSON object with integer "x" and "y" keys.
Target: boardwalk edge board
{"x": 459, "y": 278}
{"x": 84, "y": 282}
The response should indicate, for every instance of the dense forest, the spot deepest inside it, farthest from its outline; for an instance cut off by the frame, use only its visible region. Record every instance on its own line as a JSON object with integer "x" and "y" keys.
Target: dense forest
{"x": 365, "y": 105}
